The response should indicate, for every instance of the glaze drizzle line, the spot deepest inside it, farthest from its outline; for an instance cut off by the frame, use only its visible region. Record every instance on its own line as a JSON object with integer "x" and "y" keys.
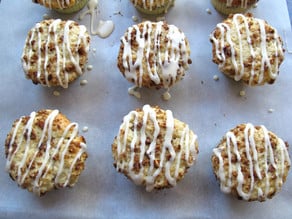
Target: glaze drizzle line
{"x": 24, "y": 143}
{"x": 237, "y": 59}
{"x": 255, "y": 169}
{"x": 187, "y": 143}
{"x": 148, "y": 4}
{"x": 166, "y": 62}
{"x": 61, "y": 3}
{"x": 104, "y": 28}
{"x": 64, "y": 52}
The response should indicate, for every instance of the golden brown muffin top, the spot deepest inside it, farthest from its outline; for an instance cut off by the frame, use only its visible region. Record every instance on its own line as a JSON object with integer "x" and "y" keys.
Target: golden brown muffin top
{"x": 251, "y": 162}
{"x": 238, "y": 3}
{"x": 247, "y": 49}
{"x": 55, "y": 52}
{"x": 154, "y": 54}
{"x": 44, "y": 151}
{"x": 56, "y": 4}
{"x": 154, "y": 149}
{"x": 153, "y": 5}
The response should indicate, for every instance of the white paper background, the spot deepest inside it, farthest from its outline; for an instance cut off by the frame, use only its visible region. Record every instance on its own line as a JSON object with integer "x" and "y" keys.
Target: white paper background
{"x": 210, "y": 108}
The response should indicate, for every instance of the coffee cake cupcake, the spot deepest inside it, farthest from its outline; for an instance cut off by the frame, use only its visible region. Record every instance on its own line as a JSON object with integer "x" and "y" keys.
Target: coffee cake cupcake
{"x": 247, "y": 49}
{"x": 45, "y": 152}
{"x": 233, "y": 6}
{"x": 154, "y": 149}
{"x": 63, "y": 6}
{"x": 251, "y": 162}
{"x": 153, "y": 7}
{"x": 153, "y": 55}
{"x": 55, "y": 52}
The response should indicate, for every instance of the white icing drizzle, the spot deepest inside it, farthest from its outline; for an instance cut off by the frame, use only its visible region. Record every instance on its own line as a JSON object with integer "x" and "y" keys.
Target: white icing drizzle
{"x": 104, "y": 28}
{"x": 238, "y": 59}
{"x": 242, "y": 5}
{"x": 252, "y": 155}
{"x": 187, "y": 143}
{"x": 50, "y": 151}
{"x": 61, "y": 3}
{"x": 62, "y": 52}
{"x": 148, "y": 4}
{"x": 166, "y": 65}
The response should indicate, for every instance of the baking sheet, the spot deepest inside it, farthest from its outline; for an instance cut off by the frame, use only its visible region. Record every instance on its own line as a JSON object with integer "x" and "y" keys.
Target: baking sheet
{"x": 210, "y": 108}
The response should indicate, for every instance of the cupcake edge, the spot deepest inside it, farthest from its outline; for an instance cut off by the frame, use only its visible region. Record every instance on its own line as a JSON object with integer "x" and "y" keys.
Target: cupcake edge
{"x": 223, "y": 9}
{"x": 80, "y": 4}
{"x": 162, "y": 173}
{"x": 225, "y": 179}
{"x": 159, "y": 10}
{"x": 45, "y": 120}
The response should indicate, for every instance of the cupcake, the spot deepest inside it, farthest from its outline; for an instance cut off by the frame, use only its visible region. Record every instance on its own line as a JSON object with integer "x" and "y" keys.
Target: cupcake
{"x": 154, "y": 55}
{"x": 247, "y": 49}
{"x": 154, "y": 149}
{"x": 251, "y": 162}
{"x": 45, "y": 152}
{"x": 153, "y": 7}
{"x": 55, "y": 52}
{"x": 233, "y": 6}
{"x": 63, "y": 6}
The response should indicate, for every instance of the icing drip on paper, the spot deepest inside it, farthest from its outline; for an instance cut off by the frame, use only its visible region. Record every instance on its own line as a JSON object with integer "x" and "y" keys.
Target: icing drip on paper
{"x": 133, "y": 91}
{"x": 63, "y": 52}
{"x": 238, "y": 59}
{"x": 157, "y": 164}
{"x": 104, "y": 28}
{"x": 166, "y": 95}
{"x": 289, "y": 50}
{"x": 252, "y": 155}
{"x": 166, "y": 64}
{"x": 49, "y": 154}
